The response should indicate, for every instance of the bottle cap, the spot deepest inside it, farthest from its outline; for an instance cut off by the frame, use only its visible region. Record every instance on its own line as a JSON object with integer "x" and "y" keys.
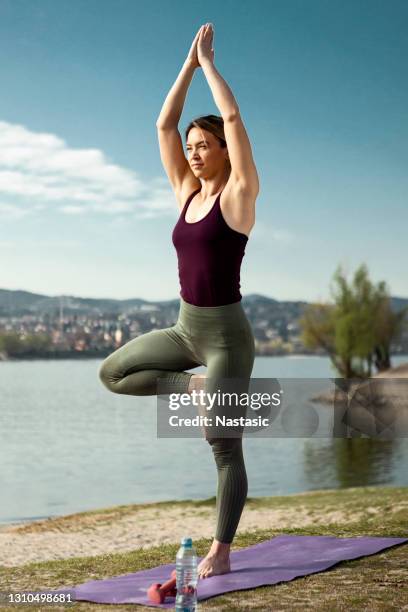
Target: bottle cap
{"x": 186, "y": 542}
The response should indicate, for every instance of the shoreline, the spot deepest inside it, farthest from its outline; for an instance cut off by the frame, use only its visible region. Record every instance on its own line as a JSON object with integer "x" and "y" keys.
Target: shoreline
{"x": 121, "y": 529}
{"x": 382, "y": 389}
{"x": 102, "y": 355}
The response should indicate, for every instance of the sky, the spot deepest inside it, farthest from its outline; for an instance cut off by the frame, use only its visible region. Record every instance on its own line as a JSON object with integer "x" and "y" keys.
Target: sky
{"x": 86, "y": 208}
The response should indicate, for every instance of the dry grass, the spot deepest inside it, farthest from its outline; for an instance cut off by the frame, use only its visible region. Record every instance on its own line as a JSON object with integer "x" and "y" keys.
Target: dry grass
{"x": 377, "y": 582}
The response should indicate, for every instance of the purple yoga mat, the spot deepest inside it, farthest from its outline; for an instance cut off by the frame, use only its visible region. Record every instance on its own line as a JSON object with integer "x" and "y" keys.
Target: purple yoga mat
{"x": 280, "y": 559}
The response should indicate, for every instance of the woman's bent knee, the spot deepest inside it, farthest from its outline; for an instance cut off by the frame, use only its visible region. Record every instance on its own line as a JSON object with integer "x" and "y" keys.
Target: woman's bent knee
{"x": 108, "y": 376}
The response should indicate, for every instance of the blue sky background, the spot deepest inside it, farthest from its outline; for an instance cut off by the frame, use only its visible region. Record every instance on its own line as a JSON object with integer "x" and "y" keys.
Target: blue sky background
{"x": 85, "y": 205}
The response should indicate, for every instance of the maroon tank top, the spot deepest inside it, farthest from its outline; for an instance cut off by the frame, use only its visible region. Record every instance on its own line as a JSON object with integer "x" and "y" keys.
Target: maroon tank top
{"x": 209, "y": 256}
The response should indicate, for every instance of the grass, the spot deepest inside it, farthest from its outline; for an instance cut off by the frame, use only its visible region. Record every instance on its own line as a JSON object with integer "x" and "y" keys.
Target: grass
{"x": 377, "y": 582}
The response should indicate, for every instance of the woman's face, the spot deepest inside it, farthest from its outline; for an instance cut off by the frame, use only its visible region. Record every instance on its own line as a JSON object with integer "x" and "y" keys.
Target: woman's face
{"x": 203, "y": 148}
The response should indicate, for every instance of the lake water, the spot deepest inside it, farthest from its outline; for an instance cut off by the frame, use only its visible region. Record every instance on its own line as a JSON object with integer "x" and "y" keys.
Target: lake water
{"x": 67, "y": 445}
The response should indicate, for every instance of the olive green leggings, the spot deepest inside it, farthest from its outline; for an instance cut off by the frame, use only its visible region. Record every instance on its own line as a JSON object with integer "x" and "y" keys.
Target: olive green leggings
{"x": 218, "y": 337}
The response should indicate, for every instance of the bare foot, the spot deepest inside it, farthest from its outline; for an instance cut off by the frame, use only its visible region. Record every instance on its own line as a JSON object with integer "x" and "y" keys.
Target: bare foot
{"x": 217, "y": 560}
{"x": 213, "y": 565}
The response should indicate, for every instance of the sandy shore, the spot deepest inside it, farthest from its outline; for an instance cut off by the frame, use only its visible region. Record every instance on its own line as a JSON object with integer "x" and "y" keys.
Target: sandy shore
{"x": 109, "y": 532}
{"x": 387, "y": 385}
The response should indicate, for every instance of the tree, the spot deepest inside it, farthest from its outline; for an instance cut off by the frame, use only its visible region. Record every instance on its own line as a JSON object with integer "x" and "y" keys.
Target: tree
{"x": 357, "y": 329}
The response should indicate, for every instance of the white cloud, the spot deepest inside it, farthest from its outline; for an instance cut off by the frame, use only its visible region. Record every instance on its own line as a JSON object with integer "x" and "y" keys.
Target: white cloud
{"x": 73, "y": 210}
{"x": 266, "y": 232}
{"x": 25, "y": 243}
{"x": 11, "y": 211}
{"x": 40, "y": 171}
{"x": 282, "y": 236}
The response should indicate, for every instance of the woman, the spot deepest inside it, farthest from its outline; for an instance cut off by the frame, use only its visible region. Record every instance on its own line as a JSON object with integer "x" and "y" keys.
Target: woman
{"x": 210, "y": 238}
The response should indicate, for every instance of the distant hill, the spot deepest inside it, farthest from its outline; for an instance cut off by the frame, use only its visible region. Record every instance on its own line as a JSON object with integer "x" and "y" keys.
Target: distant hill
{"x": 20, "y": 302}
{"x": 23, "y": 302}
{"x": 397, "y": 303}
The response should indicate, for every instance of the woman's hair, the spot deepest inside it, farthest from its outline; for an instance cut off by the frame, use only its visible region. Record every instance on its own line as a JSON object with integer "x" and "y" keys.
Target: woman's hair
{"x": 213, "y": 124}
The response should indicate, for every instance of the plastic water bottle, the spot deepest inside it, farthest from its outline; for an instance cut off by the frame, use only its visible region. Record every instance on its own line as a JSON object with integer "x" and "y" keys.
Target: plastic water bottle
{"x": 186, "y": 572}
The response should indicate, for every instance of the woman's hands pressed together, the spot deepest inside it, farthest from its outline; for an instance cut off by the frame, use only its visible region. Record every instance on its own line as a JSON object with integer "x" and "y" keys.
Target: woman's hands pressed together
{"x": 201, "y": 48}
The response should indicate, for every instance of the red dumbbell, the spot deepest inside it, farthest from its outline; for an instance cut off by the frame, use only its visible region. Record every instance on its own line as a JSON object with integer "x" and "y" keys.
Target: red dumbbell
{"x": 158, "y": 592}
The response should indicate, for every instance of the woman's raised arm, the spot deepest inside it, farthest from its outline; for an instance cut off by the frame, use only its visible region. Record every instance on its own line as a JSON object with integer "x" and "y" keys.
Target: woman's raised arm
{"x": 172, "y": 155}
{"x": 243, "y": 169}
{"x": 173, "y": 105}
